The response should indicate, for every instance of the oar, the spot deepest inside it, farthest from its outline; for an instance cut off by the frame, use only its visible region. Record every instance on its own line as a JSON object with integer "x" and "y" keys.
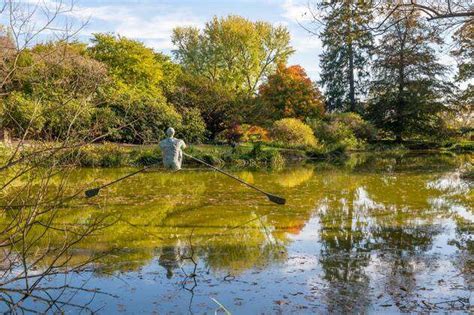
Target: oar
{"x": 95, "y": 191}
{"x": 272, "y": 198}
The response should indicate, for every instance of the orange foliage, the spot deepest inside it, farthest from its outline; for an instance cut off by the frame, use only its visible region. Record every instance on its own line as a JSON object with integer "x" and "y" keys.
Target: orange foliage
{"x": 290, "y": 93}
{"x": 253, "y": 133}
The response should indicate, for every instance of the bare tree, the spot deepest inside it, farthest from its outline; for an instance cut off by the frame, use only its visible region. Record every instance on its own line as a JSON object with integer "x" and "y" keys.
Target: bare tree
{"x": 28, "y": 22}
{"x": 35, "y": 241}
{"x": 437, "y": 9}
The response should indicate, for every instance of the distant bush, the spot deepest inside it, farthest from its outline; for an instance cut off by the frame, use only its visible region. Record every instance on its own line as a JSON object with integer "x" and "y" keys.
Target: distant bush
{"x": 106, "y": 155}
{"x": 293, "y": 132}
{"x": 271, "y": 158}
{"x": 193, "y": 127}
{"x": 232, "y": 135}
{"x": 19, "y": 113}
{"x": 145, "y": 157}
{"x": 251, "y": 133}
{"x": 346, "y": 129}
{"x": 361, "y": 128}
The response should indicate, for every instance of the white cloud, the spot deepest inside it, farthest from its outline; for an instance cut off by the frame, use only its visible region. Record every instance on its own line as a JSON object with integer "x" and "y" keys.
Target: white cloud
{"x": 296, "y": 11}
{"x": 305, "y": 42}
{"x": 152, "y": 25}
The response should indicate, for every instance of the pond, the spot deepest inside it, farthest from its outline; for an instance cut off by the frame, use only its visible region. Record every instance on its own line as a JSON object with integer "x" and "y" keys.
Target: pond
{"x": 379, "y": 232}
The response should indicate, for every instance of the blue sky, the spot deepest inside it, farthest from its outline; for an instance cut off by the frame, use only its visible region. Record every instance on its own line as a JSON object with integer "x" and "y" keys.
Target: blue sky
{"x": 152, "y": 21}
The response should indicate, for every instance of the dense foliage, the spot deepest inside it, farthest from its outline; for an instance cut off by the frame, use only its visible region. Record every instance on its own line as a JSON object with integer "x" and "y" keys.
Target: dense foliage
{"x": 408, "y": 90}
{"x": 294, "y": 132}
{"x": 290, "y": 93}
{"x": 347, "y": 46}
{"x": 230, "y": 81}
{"x": 233, "y": 52}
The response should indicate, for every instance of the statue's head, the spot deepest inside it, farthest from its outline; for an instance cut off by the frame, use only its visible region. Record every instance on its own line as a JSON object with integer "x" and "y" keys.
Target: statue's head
{"x": 170, "y": 132}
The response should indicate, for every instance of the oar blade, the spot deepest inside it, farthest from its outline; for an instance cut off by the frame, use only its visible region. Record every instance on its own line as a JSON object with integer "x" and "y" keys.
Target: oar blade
{"x": 276, "y": 199}
{"x": 92, "y": 192}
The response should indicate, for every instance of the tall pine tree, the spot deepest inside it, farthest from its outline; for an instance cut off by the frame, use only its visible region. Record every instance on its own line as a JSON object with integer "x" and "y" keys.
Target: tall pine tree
{"x": 407, "y": 93}
{"x": 347, "y": 43}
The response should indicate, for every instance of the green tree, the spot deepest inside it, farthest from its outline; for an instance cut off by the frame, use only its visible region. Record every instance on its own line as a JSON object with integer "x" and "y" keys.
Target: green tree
{"x": 216, "y": 104}
{"x": 290, "y": 93}
{"x": 233, "y": 51}
{"x": 347, "y": 45}
{"x": 55, "y": 92}
{"x": 463, "y": 101}
{"x": 406, "y": 96}
{"x": 129, "y": 62}
{"x": 464, "y": 51}
{"x": 135, "y": 97}
{"x": 7, "y": 56}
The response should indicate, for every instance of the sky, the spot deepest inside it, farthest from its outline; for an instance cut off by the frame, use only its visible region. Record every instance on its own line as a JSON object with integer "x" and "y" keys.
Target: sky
{"x": 152, "y": 21}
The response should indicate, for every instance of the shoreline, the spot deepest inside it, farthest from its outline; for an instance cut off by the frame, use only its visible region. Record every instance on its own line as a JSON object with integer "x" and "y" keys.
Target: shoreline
{"x": 244, "y": 156}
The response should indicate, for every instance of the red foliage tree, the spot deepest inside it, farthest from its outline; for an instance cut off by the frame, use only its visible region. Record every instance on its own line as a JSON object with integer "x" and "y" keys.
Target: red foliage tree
{"x": 290, "y": 93}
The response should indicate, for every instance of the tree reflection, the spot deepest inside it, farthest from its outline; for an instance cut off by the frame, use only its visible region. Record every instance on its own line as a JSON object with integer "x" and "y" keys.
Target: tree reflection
{"x": 387, "y": 218}
{"x": 345, "y": 247}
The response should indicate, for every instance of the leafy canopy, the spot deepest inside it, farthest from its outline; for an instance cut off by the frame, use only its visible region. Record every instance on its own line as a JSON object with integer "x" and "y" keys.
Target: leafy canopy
{"x": 347, "y": 46}
{"x": 233, "y": 51}
{"x": 290, "y": 93}
{"x": 408, "y": 88}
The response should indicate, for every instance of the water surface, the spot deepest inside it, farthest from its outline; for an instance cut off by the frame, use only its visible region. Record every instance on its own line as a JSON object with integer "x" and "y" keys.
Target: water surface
{"x": 390, "y": 233}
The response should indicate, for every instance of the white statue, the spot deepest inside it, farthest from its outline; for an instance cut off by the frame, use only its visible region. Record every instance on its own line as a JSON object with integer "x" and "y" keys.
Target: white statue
{"x": 172, "y": 151}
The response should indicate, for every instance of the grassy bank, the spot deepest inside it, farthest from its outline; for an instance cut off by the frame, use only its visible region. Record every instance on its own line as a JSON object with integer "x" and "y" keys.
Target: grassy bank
{"x": 246, "y": 155}
{"x": 421, "y": 145}
{"x": 243, "y": 156}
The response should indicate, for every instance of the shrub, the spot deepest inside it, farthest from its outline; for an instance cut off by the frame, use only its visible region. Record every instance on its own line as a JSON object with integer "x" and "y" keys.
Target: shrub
{"x": 271, "y": 158}
{"x": 232, "y": 135}
{"x": 146, "y": 157}
{"x": 106, "y": 121}
{"x": 293, "y": 132}
{"x": 111, "y": 155}
{"x": 19, "y": 113}
{"x": 251, "y": 133}
{"x": 106, "y": 155}
{"x": 346, "y": 129}
{"x": 361, "y": 128}
{"x": 193, "y": 127}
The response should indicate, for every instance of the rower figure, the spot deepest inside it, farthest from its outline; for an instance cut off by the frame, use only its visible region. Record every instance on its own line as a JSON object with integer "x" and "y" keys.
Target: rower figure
{"x": 172, "y": 149}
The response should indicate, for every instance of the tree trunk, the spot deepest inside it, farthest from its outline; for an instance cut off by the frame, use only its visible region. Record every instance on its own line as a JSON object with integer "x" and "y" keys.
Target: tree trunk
{"x": 352, "y": 100}
{"x": 401, "y": 86}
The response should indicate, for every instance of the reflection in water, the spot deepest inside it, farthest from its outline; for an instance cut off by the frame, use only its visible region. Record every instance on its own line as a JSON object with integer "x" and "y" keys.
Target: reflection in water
{"x": 170, "y": 259}
{"x": 379, "y": 233}
{"x": 294, "y": 177}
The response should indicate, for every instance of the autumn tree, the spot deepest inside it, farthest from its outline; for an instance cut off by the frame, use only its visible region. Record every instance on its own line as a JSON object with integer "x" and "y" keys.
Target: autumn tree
{"x": 234, "y": 52}
{"x": 347, "y": 45}
{"x": 290, "y": 93}
{"x": 7, "y": 57}
{"x": 406, "y": 95}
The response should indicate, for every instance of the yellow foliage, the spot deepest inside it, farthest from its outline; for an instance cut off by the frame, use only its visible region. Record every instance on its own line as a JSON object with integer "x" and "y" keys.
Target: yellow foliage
{"x": 293, "y": 131}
